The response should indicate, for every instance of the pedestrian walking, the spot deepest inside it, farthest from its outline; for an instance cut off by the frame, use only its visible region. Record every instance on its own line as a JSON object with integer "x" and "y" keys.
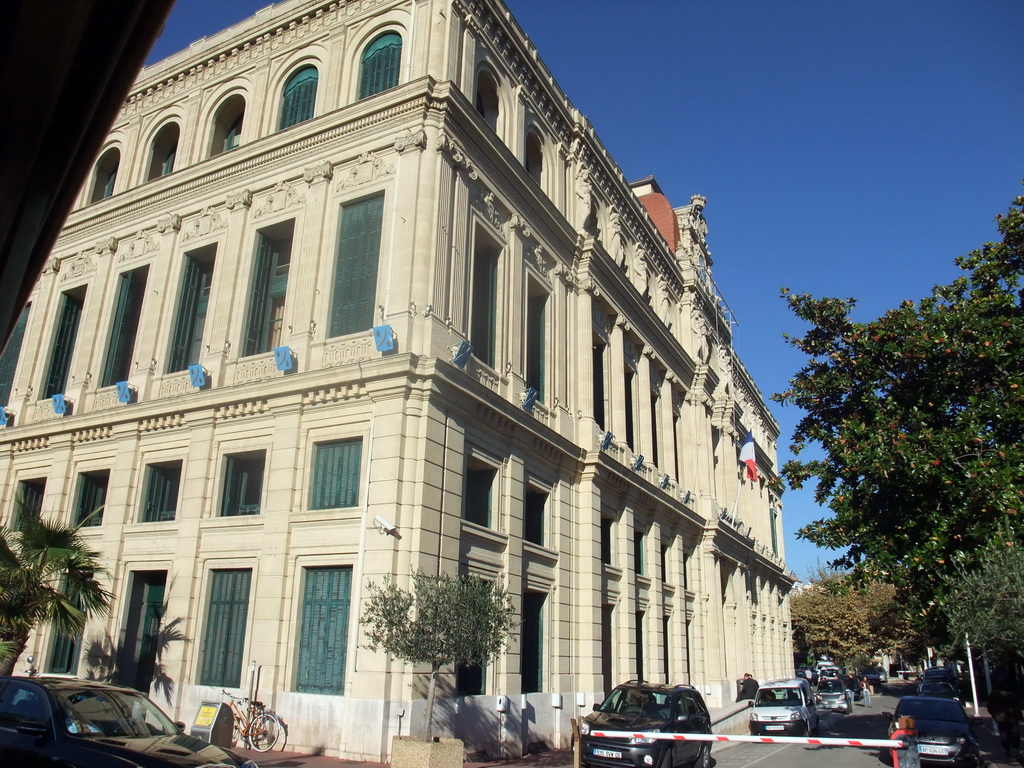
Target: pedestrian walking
{"x": 865, "y": 692}
{"x": 748, "y": 687}
{"x": 1004, "y": 707}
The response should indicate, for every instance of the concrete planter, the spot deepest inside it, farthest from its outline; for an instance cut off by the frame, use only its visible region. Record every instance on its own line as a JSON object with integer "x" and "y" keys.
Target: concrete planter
{"x": 412, "y": 752}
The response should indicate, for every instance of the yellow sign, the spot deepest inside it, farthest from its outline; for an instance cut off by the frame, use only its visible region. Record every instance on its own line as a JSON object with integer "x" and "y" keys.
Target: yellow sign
{"x": 207, "y": 713}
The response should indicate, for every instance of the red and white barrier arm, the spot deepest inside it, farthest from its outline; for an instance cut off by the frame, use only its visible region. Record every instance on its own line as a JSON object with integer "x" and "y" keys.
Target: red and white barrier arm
{"x": 817, "y": 741}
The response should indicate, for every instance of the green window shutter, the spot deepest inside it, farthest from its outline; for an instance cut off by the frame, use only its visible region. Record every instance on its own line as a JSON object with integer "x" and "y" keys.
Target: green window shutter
{"x": 323, "y": 631}
{"x": 336, "y": 474}
{"x": 9, "y": 357}
{"x": 168, "y": 164}
{"x": 536, "y": 349}
{"x": 483, "y": 330}
{"x": 92, "y": 495}
{"x": 259, "y": 298}
{"x": 63, "y": 345}
{"x": 299, "y": 97}
{"x": 29, "y": 502}
{"x": 224, "y": 640}
{"x": 187, "y": 341}
{"x": 381, "y": 61}
{"x": 162, "y": 481}
{"x": 477, "y": 497}
{"x": 64, "y": 654}
{"x": 355, "y": 269}
{"x": 125, "y": 328}
{"x": 243, "y": 484}
{"x": 531, "y": 658}
{"x": 108, "y": 183}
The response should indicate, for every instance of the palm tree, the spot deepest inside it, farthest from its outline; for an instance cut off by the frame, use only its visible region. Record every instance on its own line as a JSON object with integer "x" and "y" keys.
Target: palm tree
{"x": 47, "y": 576}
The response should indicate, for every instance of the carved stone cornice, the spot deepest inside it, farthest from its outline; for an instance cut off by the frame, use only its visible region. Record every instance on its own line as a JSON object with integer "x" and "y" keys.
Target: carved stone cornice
{"x": 411, "y": 140}
{"x": 456, "y": 155}
{"x": 169, "y": 223}
{"x": 320, "y": 173}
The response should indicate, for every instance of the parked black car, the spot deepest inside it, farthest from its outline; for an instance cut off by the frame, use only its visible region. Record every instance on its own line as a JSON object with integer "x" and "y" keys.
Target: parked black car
{"x": 939, "y": 674}
{"x": 640, "y": 706}
{"x": 938, "y": 689}
{"x": 945, "y": 732}
{"x": 876, "y": 676}
{"x": 69, "y": 723}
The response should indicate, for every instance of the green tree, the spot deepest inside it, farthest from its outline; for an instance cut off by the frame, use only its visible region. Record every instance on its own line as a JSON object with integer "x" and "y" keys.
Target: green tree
{"x": 47, "y": 576}
{"x": 919, "y": 415}
{"x": 986, "y": 601}
{"x": 443, "y": 621}
{"x": 852, "y": 624}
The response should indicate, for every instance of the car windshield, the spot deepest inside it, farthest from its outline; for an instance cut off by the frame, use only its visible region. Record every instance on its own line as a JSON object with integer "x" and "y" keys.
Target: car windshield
{"x": 934, "y": 709}
{"x": 778, "y": 697}
{"x": 637, "y": 701}
{"x": 936, "y": 689}
{"x": 830, "y": 686}
{"x": 91, "y": 712}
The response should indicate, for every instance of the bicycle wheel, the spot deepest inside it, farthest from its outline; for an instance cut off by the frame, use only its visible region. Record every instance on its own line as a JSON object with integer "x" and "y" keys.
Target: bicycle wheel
{"x": 264, "y": 731}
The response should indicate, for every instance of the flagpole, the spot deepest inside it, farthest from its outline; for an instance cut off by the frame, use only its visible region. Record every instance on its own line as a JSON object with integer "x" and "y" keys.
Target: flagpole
{"x": 736, "y": 501}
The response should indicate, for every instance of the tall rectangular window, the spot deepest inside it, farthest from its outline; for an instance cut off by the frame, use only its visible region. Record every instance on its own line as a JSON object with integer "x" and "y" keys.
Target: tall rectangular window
{"x": 534, "y": 511}
{"x": 675, "y": 446}
{"x": 531, "y": 658}
{"x": 774, "y": 520}
{"x": 477, "y": 499}
{"x": 606, "y": 540}
{"x": 193, "y": 304}
{"x": 336, "y": 474}
{"x": 28, "y": 502}
{"x": 162, "y": 482}
{"x": 9, "y": 357}
{"x": 264, "y": 326}
{"x": 224, "y": 638}
{"x": 243, "y": 483}
{"x": 654, "y": 429}
{"x": 665, "y": 647}
{"x": 483, "y": 321}
{"x": 664, "y": 564}
{"x": 598, "y": 384}
{"x": 130, "y": 293}
{"x": 92, "y": 495}
{"x": 64, "y": 342}
{"x": 536, "y": 342}
{"x": 323, "y": 631}
{"x": 638, "y": 552}
{"x": 64, "y": 654}
{"x": 639, "y": 640}
{"x": 630, "y": 437}
{"x": 607, "y": 646}
{"x": 354, "y": 298}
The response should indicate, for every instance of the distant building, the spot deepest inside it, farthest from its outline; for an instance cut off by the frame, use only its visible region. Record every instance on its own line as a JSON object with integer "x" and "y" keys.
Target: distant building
{"x": 357, "y": 259}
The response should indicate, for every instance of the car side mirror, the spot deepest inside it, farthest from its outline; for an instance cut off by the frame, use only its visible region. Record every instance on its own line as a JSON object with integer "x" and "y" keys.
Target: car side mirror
{"x": 596, "y": 705}
{"x": 180, "y": 725}
{"x": 682, "y": 718}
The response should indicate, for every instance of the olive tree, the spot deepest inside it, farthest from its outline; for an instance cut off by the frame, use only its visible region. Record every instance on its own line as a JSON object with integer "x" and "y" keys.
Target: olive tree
{"x": 443, "y": 621}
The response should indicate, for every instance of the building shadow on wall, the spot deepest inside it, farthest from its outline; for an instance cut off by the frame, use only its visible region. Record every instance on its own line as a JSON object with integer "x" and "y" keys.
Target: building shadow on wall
{"x": 139, "y": 663}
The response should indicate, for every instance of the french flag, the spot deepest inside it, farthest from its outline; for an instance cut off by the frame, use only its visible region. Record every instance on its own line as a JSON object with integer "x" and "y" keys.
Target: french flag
{"x": 748, "y": 457}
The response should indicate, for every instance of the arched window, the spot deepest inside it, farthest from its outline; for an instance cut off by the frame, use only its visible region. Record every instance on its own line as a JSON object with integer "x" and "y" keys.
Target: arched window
{"x": 299, "y": 97}
{"x": 227, "y": 125}
{"x": 534, "y": 158}
{"x": 105, "y": 175}
{"x": 487, "y": 98}
{"x": 380, "y": 64}
{"x": 165, "y": 149}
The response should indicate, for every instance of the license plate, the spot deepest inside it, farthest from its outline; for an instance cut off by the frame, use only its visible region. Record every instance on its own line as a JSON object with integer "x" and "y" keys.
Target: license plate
{"x": 775, "y": 727}
{"x": 607, "y": 753}
{"x": 927, "y": 749}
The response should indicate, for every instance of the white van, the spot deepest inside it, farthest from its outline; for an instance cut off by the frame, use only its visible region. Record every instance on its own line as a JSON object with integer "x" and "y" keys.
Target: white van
{"x": 784, "y": 707}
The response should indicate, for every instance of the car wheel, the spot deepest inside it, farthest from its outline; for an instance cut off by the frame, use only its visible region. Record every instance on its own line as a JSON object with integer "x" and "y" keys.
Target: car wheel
{"x": 703, "y": 757}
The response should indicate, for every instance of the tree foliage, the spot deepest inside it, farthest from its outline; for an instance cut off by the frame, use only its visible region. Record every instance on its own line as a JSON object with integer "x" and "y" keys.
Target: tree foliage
{"x": 919, "y": 415}
{"x": 985, "y": 600}
{"x": 852, "y": 625}
{"x": 47, "y": 575}
{"x": 443, "y": 621}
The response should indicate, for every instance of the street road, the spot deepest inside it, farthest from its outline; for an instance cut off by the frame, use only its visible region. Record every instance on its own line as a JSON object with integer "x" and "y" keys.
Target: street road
{"x": 864, "y": 723}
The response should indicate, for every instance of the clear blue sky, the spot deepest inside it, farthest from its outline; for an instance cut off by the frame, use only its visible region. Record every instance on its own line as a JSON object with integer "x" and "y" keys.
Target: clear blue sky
{"x": 846, "y": 149}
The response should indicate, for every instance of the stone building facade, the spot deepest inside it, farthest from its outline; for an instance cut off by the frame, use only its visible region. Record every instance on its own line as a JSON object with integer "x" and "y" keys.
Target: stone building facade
{"x": 353, "y": 262}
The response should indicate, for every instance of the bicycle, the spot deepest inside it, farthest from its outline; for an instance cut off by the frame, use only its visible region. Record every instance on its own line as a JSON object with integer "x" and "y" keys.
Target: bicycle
{"x": 255, "y": 726}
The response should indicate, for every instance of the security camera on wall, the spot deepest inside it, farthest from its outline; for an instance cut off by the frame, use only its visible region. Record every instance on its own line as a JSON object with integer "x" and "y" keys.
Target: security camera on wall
{"x": 386, "y": 526}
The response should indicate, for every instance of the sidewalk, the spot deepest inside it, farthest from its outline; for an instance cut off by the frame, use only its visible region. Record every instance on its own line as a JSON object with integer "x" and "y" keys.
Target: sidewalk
{"x": 559, "y": 758}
